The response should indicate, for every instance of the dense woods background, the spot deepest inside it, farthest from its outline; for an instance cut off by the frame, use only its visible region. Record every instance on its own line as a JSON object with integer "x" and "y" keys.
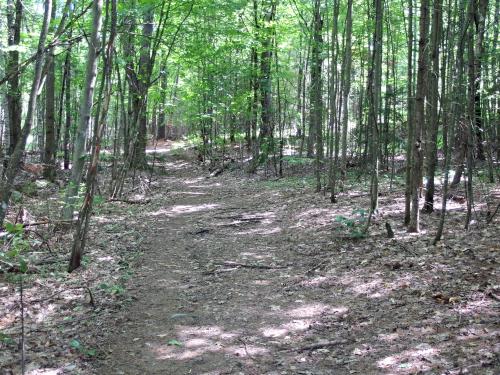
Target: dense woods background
{"x": 348, "y": 83}
{"x": 386, "y": 95}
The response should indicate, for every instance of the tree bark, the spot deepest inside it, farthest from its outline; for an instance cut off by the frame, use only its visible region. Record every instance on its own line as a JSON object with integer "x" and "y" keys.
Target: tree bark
{"x": 79, "y": 238}
{"x": 86, "y": 104}
{"x": 14, "y": 107}
{"x": 50, "y": 145}
{"x": 15, "y": 158}
{"x": 417, "y": 152}
{"x": 316, "y": 93}
{"x": 432, "y": 107}
{"x": 409, "y": 117}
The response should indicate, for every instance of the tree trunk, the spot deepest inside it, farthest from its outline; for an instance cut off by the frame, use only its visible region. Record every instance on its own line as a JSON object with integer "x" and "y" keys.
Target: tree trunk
{"x": 143, "y": 77}
{"x": 409, "y": 117}
{"x": 316, "y": 93}
{"x": 333, "y": 123}
{"x": 374, "y": 93}
{"x": 480, "y": 14}
{"x": 79, "y": 153}
{"x": 67, "y": 104}
{"x": 346, "y": 69}
{"x": 80, "y": 235}
{"x": 50, "y": 145}
{"x": 432, "y": 106}
{"x": 15, "y": 158}
{"x": 417, "y": 152}
{"x": 14, "y": 107}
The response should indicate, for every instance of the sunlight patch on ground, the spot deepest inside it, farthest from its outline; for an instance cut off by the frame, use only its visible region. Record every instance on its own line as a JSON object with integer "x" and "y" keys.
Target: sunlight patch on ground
{"x": 246, "y": 350}
{"x": 478, "y": 307}
{"x": 191, "y": 181}
{"x": 477, "y": 332}
{"x": 318, "y": 216}
{"x": 247, "y": 255}
{"x": 108, "y": 220}
{"x": 175, "y": 166}
{"x": 261, "y": 231}
{"x": 315, "y": 281}
{"x": 214, "y": 185}
{"x": 197, "y": 341}
{"x": 44, "y": 313}
{"x": 262, "y": 282}
{"x": 184, "y": 209}
{"x": 410, "y": 361}
{"x": 309, "y": 310}
{"x": 284, "y": 329}
{"x": 45, "y": 371}
{"x": 187, "y": 193}
{"x": 375, "y": 286}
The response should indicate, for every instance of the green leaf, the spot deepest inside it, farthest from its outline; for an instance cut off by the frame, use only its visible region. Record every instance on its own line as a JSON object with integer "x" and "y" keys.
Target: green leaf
{"x": 23, "y": 266}
{"x": 174, "y": 343}
{"x": 75, "y": 344}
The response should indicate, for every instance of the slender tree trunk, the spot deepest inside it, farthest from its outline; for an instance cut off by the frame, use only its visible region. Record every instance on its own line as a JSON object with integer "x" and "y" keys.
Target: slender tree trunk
{"x": 471, "y": 112}
{"x": 374, "y": 93}
{"x": 432, "y": 107}
{"x": 347, "y": 63}
{"x": 67, "y": 104}
{"x": 409, "y": 118}
{"x": 50, "y": 145}
{"x": 143, "y": 78}
{"x": 316, "y": 91}
{"x": 480, "y": 14}
{"x": 14, "y": 107}
{"x": 266, "y": 126}
{"x": 86, "y": 104}
{"x": 80, "y": 235}
{"x": 333, "y": 123}
{"x": 15, "y": 158}
{"x": 417, "y": 153}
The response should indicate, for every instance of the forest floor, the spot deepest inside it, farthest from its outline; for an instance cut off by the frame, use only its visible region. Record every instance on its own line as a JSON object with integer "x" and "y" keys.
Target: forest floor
{"x": 247, "y": 275}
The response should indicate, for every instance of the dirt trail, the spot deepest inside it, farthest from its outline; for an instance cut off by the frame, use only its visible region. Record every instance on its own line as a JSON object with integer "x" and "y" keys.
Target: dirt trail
{"x": 208, "y": 293}
{"x": 238, "y": 278}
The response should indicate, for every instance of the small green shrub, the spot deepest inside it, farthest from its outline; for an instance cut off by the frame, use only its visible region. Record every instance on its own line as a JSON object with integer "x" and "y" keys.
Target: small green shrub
{"x": 354, "y": 225}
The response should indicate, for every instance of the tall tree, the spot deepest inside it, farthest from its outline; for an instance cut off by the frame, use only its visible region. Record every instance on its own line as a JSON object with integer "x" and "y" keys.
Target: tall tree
{"x": 14, "y": 108}
{"x": 79, "y": 238}
{"x": 432, "y": 105}
{"x": 316, "y": 94}
{"x": 409, "y": 113}
{"x": 418, "y": 142}
{"x": 50, "y": 144}
{"x": 346, "y": 83}
{"x": 85, "y": 115}
{"x": 374, "y": 94}
{"x": 15, "y": 158}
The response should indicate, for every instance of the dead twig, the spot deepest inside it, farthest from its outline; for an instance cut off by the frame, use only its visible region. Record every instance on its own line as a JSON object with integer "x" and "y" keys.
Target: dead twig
{"x": 46, "y": 222}
{"x": 491, "y": 216}
{"x": 130, "y": 201}
{"x": 91, "y": 296}
{"x": 251, "y": 265}
{"x": 320, "y": 345}
{"x": 23, "y": 359}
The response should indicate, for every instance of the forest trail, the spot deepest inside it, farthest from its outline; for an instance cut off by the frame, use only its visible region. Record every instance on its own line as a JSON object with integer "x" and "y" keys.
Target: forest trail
{"x": 240, "y": 277}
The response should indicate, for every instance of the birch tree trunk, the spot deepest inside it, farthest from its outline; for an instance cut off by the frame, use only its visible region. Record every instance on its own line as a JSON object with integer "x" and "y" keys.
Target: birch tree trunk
{"x": 86, "y": 104}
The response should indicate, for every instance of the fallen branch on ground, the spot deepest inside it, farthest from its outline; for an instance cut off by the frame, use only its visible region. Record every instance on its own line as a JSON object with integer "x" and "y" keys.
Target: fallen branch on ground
{"x": 130, "y": 201}
{"x": 45, "y": 222}
{"x": 246, "y": 265}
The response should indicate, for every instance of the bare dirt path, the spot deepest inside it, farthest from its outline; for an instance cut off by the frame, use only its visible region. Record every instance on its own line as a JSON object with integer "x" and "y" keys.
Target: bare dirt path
{"x": 240, "y": 277}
